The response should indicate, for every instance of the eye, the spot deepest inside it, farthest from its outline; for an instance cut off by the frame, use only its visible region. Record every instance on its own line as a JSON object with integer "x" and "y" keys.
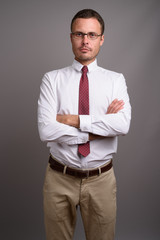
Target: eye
{"x": 78, "y": 34}
{"x": 92, "y": 35}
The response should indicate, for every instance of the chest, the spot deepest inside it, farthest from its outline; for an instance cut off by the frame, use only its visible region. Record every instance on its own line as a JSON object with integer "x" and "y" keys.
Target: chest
{"x": 67, "y": 94}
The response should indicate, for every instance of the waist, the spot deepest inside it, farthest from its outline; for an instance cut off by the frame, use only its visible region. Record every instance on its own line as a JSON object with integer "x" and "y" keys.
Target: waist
{"x": 67, "y": 154}
{"x": 58, "y": 166}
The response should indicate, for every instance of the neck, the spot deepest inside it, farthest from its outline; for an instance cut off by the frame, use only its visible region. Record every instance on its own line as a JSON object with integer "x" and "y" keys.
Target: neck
{"x": 84, "y": 62}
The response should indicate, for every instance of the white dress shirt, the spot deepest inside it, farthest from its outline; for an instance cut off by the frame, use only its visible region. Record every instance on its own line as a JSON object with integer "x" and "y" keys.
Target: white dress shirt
{"x": 59, "y": 93}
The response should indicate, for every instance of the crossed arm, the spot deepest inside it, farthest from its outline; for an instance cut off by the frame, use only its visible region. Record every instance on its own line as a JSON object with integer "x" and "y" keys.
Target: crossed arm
{"x": 74, "y": 120}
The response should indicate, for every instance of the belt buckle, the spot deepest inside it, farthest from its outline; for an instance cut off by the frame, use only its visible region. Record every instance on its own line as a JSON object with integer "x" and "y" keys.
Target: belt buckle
{"x": 82, "y": 174}
{"x": 87, "y": 174}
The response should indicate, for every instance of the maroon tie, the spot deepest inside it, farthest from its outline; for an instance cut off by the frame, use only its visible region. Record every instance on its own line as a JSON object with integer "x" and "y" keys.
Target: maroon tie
{"x": 84, "y": 149}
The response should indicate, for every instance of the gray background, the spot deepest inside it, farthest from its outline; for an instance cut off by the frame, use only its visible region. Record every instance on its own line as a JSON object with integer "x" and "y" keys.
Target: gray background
{"x": 35, "y": 39}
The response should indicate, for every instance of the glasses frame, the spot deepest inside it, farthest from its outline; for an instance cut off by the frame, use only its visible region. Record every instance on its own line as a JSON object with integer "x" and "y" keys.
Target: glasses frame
{"x": 87, "y": 34}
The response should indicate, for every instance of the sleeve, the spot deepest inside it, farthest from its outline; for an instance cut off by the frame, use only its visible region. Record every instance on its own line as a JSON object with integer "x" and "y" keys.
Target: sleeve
{"x": 49, "y": 129}
{"x": 110, "y": 125}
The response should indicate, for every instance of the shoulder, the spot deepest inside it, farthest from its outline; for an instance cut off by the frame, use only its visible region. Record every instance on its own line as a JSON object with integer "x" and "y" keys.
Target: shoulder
{"x": 109, "y": 73}
{"x": 55, "y": 75}
{"x": 111, "y": 76}
{"x": 52, "y": 74}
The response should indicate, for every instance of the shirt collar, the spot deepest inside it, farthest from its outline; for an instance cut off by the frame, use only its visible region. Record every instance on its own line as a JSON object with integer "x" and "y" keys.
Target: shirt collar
{"x": 78, "y": 66}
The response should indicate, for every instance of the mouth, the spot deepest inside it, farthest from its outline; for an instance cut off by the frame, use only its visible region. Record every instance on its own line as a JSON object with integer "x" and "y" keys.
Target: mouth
{"x": 85, "y": 50}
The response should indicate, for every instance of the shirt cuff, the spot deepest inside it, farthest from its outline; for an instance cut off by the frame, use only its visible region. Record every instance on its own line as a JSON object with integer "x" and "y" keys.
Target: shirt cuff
{"x": 85, "y": 123}
{"x": 83, "y": 138}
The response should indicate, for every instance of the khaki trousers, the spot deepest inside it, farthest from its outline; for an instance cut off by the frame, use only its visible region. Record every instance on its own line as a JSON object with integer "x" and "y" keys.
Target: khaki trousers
{"x": 96, "y": 197}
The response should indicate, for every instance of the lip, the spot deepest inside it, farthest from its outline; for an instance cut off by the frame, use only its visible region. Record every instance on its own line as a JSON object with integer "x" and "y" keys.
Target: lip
{"x": 84, "y": 49}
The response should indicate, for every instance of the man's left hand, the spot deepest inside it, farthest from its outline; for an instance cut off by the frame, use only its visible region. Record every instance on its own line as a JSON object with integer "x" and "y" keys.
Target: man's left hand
{"x": 71, "y": 120}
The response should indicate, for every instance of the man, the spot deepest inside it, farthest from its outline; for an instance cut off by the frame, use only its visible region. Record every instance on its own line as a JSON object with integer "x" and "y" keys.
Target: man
{"x": 81, "y": 111}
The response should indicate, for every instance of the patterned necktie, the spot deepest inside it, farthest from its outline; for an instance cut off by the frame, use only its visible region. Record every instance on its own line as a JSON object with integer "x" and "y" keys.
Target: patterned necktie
{"x": 84, "y": 149}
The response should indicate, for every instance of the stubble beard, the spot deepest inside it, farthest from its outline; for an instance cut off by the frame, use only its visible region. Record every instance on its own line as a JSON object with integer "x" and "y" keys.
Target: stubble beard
{"x": 83, "y": 58}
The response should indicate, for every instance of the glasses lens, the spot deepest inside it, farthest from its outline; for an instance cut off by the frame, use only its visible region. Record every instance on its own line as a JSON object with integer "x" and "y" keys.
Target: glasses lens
{"x": 77, "y": 35}
{"x": 92, "y": 35}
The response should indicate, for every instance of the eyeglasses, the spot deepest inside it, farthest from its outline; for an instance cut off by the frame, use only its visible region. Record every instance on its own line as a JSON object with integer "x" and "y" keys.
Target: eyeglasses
{"x": 90, "y": 35}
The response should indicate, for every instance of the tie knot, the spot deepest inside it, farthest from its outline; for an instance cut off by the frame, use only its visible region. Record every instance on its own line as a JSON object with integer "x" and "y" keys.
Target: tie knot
{"x": 85, "y": 69}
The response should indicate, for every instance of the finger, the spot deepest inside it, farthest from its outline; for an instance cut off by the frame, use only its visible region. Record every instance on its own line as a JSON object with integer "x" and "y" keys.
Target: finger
{"x": 111, "y": 106}
{"x": 117, "y": 107}
{"x": 114, "y": 102}
{"x": 58, "y": 117}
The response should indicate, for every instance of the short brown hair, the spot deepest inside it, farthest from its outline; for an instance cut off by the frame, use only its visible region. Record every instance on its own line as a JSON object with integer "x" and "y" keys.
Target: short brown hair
{"x": 89, "y": 13}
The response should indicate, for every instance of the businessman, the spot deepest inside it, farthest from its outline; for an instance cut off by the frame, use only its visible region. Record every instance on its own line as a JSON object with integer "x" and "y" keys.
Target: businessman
{"x": 82, "y": 109}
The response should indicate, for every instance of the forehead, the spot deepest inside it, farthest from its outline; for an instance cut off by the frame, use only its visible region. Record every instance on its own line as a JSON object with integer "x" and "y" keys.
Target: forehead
{"x": 86, "y": 25}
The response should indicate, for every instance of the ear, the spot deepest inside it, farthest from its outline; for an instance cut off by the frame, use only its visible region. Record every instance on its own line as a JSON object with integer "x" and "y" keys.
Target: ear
{"x": 102, "y": 40}
{"x": 71, "y": 37}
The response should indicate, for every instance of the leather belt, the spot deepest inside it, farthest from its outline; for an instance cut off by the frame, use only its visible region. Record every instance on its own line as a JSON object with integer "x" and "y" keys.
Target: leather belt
{"x": 57, "y": 166}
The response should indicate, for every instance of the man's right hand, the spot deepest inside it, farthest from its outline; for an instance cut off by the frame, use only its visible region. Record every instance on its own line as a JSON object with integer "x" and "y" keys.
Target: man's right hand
{"x": 114, "y": 107}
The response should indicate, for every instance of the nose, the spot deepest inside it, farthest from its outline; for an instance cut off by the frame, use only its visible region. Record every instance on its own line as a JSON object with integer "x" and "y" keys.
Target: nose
{"x": 85, "y": 39}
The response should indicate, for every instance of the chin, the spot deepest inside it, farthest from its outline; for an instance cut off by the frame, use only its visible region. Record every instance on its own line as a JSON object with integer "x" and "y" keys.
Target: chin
{"x": 85, "y": 58}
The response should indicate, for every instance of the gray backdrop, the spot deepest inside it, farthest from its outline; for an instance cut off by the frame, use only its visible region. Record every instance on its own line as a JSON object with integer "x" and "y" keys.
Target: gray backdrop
{"x": 35, "y": 39}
